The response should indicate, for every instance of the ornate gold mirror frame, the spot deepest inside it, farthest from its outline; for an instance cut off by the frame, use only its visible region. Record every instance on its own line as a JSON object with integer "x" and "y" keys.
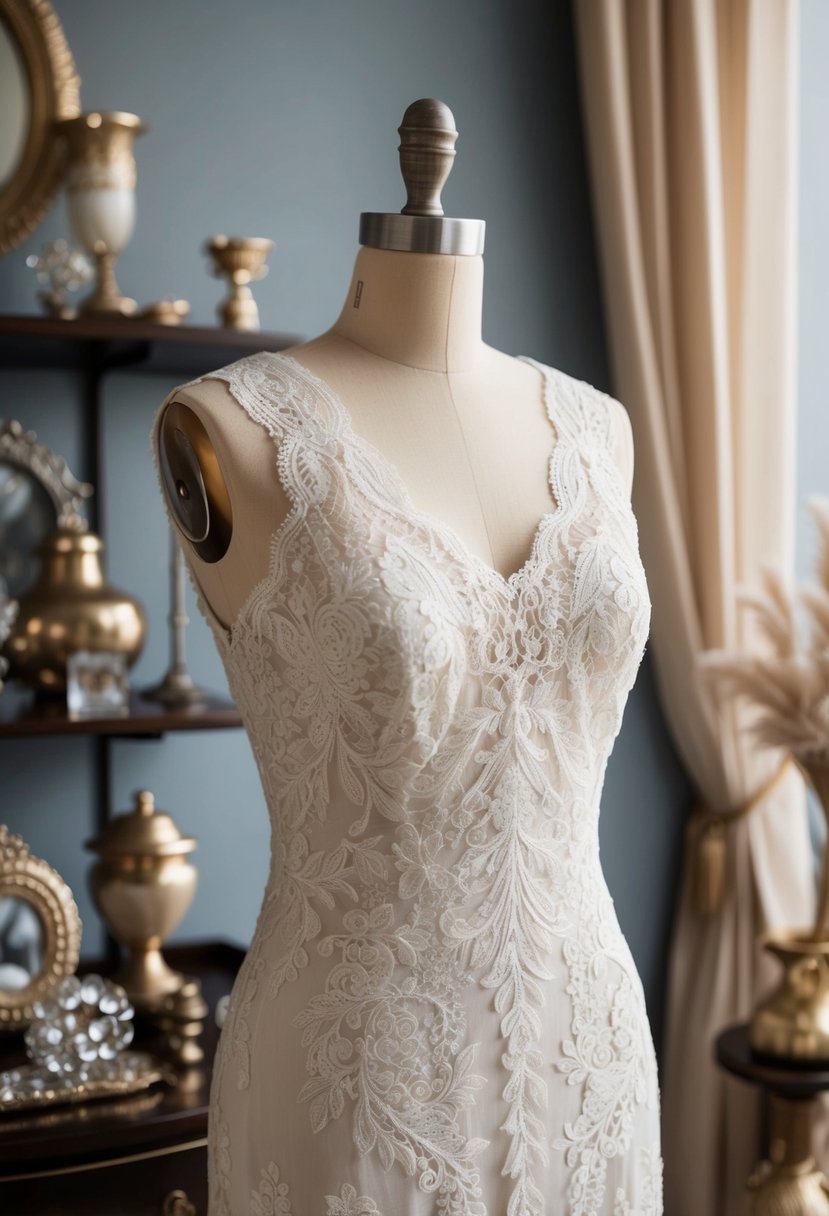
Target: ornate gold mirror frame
{"x": 36, "y": 894}
{"x": 36, "y": 49}
{"x": 38, "y": 494}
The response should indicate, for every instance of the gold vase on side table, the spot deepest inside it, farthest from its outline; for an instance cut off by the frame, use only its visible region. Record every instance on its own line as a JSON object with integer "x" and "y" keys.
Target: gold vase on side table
{"x": 785, "y": 1050}
{"x": 792, "y": 1023}
{"x": 142, "y": 885}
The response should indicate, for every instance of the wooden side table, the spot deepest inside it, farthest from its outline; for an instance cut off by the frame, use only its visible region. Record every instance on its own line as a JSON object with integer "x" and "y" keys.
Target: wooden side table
{"x": 145, "y": 1155}
{"x": 788, "y": 1180}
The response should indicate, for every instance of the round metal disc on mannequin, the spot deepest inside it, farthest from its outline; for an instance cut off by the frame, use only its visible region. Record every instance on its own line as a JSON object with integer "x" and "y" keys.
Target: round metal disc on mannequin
{"x": 193, "y": 482}
{"x": 427, "y": 151}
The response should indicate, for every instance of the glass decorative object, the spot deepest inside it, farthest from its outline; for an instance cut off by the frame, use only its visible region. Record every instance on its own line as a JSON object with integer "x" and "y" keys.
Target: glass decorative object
{"x": 59, "y": 268}
{"x": 100, "y": 187}
{"x": 31, "y": 1086}
{"x": 97, "y": 684}
{"x": 88, "y": 1019}
{"x": 77, "y": 1047}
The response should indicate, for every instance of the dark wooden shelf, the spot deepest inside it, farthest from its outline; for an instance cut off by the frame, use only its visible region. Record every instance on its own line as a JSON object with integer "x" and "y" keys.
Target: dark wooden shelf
{"x": 101, "y": 344}
{"x": 24, "y": 716}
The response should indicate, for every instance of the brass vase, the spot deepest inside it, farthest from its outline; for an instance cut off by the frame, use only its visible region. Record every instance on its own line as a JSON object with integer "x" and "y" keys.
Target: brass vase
{"x": 142, "y": 885}
{"x": 792, "y": 1022}
{"x": 71, "y": 607}
{"x": 100, "y": 188}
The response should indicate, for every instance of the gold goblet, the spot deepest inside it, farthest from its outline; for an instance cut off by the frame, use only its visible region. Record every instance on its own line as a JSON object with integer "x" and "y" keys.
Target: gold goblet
{"x": 100, "y": 186}
{"x": 242, "y": 261}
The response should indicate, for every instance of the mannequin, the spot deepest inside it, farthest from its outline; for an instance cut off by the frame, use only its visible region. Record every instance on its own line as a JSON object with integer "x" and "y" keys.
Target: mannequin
{"x": 463, "y": 424}
{"x": 438, "y": 1013}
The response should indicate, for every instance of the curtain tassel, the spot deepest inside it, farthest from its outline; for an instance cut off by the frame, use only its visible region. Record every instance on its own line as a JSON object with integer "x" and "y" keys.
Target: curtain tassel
{"x": 709, "y": 864}
{"x": 710, "y": 852}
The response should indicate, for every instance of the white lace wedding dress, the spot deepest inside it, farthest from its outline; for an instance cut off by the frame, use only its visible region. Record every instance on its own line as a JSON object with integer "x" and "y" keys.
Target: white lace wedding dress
{"x": 439, "y": 1014}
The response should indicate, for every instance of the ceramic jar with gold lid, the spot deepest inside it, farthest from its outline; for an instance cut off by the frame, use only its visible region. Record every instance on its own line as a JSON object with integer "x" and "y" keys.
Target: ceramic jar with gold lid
{"x": 142, "y": 885}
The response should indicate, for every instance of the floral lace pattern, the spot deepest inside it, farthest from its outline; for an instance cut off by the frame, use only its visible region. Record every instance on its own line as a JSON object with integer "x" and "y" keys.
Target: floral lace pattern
{"x": 432, "y": 739}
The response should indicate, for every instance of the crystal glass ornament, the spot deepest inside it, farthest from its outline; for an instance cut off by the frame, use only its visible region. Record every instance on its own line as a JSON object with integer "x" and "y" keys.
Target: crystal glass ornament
{"x": 87, "y": 1020}
{"x": 59, "y": 268}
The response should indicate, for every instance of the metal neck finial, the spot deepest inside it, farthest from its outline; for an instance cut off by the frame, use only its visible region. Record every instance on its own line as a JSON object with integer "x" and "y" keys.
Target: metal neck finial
{"x": 427, "y": 152}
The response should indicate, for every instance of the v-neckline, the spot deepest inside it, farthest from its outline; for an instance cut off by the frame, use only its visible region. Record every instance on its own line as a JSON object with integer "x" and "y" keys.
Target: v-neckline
{"x": 425, "y": 519}
{"x": 506, "y": 585}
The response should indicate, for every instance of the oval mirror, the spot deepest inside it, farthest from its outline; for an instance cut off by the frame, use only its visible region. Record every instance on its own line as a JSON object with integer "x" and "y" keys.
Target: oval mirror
{"x": 38, "y": 85}
{"x": 40, "y": 931}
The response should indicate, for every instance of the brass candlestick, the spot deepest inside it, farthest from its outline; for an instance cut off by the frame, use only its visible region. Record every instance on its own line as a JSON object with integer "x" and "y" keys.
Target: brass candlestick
{"x": 242, "y": 261}
{"x": 177, "y": 689}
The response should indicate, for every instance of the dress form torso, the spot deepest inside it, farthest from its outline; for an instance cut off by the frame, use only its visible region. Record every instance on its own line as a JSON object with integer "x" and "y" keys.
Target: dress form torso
{"x": 463, "y": 424}
{"x": 430, "y": 610}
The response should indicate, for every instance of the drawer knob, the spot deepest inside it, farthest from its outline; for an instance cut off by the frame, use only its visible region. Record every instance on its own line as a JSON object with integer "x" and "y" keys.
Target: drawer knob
{"x": 177, "y": 1204}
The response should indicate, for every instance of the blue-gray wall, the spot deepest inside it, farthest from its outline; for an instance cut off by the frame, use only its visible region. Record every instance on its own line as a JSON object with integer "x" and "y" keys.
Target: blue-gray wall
{"x": 280, "y": 120}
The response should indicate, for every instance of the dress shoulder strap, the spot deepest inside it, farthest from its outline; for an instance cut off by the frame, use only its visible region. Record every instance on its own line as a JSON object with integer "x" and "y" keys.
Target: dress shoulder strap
{"x": 282, "y": 396}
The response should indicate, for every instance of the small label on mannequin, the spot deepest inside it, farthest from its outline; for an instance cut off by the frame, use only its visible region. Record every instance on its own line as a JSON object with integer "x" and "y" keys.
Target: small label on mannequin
{"x": 358, "y": 294}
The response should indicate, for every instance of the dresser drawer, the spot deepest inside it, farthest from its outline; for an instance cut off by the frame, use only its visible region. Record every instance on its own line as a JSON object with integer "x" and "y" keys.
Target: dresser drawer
{"x": 169, "y": 1182}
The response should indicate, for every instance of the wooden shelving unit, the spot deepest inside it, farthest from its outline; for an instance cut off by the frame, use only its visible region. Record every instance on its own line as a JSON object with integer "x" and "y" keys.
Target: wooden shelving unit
{"x": 93, "y": 349}
{"x": 106, "y": 344}
{"x": 22, "y": 716}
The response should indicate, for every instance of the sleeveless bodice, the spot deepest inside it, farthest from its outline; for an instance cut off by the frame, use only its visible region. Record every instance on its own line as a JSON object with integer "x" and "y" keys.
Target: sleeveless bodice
{"x": 439, "y": 1013}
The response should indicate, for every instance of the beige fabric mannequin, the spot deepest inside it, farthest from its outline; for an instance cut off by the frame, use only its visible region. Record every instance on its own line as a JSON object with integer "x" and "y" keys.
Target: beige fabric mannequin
{"x": 463, "y": 424}
{"x": 414, "y": 1027}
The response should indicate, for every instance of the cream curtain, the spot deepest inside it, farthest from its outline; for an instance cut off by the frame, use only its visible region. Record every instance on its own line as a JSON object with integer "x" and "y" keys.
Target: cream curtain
{"x": 690, "y": 111}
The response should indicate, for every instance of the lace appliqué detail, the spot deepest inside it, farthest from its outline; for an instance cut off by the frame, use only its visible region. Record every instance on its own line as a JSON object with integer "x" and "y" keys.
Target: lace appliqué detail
{"x": 650, "y": 1198}
{"x": 349, "y": 1203}
{"x": 271, "y": 1197}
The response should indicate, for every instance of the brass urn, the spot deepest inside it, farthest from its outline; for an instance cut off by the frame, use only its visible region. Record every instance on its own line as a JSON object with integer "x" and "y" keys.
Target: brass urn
{"x": 142, "y": 885}
{"x": 792, "y": 1022}
{"x": 71, "y": 607}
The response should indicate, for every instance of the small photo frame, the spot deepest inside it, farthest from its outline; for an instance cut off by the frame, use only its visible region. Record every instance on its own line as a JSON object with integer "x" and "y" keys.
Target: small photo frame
{"x": 97, "y": 685}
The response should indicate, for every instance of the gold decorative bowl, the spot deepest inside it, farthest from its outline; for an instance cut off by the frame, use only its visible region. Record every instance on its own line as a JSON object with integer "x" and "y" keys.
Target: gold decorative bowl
{"x": 241, "y": 259}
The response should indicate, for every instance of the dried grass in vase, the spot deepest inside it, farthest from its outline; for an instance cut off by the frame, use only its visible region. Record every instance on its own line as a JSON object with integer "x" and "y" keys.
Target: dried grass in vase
{"x": 789, "y": 684}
